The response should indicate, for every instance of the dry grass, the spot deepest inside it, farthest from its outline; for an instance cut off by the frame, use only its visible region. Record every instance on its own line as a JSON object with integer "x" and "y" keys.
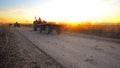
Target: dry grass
{"x": 9, "y": 51}
{"x": 104, "y": 30}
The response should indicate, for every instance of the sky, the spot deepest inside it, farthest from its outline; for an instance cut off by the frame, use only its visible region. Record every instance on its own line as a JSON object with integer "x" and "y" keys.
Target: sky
{"x": 25, "y": 11}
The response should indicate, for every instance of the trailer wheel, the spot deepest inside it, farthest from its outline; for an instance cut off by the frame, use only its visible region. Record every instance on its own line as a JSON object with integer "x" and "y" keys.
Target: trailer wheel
{"x": 40, "y": 30}
{"x": 47, "y": 29}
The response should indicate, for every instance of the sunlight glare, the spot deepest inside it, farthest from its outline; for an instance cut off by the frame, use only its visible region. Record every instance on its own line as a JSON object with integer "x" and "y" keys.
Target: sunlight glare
{"x": 71, "y": 10}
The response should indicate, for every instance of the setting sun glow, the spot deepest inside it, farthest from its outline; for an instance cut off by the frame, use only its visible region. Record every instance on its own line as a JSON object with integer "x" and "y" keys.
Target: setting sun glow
{"x": 61, "y": 10}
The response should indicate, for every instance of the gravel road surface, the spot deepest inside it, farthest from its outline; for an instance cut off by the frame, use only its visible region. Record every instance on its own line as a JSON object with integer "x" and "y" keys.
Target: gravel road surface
{"x": 75, "y": 51}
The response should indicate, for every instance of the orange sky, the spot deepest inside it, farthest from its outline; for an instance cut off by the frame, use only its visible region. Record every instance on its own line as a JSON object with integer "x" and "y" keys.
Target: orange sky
{"x": 24, "y": 11}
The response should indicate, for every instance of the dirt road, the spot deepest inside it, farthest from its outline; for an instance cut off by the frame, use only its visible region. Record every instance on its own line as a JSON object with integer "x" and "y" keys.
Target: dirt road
{"x": 74, "y": 51}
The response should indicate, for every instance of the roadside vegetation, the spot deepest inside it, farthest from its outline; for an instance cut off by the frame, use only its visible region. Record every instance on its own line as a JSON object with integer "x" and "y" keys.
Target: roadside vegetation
{"x": 7, "y": 50}
{"x": 10, "y": 55}
{"x": 102, "y": 30}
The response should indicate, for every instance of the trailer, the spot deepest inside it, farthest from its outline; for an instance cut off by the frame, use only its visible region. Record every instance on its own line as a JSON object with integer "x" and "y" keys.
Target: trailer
{"x": 49, "y": 28}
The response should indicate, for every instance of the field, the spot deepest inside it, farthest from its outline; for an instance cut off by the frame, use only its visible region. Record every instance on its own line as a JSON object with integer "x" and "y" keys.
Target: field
{"x": 103, "y": 30}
